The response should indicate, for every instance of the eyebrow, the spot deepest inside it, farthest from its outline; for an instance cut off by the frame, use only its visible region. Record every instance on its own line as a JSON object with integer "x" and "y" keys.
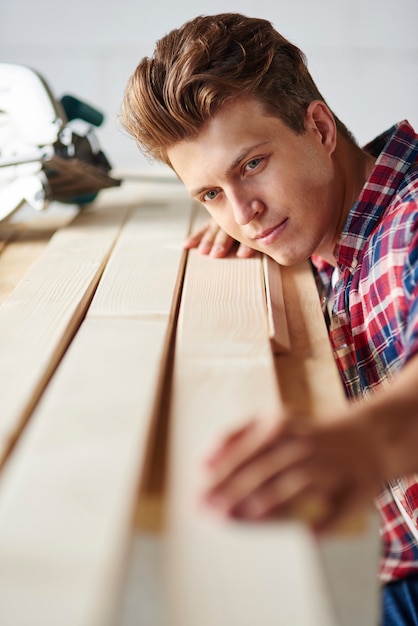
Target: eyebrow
{"x": 242, "y": 155}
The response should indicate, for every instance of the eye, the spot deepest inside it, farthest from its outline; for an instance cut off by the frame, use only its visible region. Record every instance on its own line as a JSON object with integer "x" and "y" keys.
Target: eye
{"x": 210, "y": 195}
{"x": 253, "y": 164}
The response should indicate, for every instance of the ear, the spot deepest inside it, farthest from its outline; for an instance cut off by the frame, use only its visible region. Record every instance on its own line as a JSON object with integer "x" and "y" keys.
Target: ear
{"x": 321, "y": 121}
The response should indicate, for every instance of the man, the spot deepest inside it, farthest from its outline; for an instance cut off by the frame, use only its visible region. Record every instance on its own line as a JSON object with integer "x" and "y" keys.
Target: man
{"x": 229, "y": 104}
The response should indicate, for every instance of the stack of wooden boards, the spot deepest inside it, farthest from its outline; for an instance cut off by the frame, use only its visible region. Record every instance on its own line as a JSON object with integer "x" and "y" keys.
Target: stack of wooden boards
{"x": 122, "y": 357}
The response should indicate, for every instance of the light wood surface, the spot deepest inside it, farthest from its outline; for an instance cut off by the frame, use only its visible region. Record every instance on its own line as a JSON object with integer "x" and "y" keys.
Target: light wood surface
{"x": 115, "y": 374}
{"x": 22, "y": 243}
{"x": 223, "y": 573}
{"x": 40, "y": 317}
{"x": 223, "y": 350}
{"x": 308, "y": 377}
{"x": 276, "y": 309}
{"x": 79, "y": 463}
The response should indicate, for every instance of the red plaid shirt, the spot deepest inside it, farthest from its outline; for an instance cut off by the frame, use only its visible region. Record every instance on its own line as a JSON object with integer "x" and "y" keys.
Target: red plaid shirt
{"x": 374, "y": 322}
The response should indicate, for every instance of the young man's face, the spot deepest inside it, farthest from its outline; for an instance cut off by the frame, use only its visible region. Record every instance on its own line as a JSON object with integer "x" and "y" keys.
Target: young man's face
{"x": 269, "y": 188}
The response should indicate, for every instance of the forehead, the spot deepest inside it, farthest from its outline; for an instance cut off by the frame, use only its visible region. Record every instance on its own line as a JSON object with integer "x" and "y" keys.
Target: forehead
{"x": 235, "y": 118}
{"x": 236, "y": 128}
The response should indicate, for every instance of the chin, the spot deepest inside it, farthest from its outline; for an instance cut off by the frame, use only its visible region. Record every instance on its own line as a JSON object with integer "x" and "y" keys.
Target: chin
{"x": 287, "y": 259}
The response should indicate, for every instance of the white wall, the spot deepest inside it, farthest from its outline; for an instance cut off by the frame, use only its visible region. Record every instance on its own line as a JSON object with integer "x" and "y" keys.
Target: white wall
{"x": 363, "y": 54}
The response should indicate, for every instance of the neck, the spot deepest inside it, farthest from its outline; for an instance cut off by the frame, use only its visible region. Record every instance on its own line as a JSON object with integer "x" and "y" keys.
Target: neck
{"x": 353, "y": 168}
{"x": 356, "y": 166}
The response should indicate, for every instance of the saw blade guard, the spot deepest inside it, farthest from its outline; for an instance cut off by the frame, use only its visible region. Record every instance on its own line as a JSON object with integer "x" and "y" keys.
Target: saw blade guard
{"x": 46, "y": 139}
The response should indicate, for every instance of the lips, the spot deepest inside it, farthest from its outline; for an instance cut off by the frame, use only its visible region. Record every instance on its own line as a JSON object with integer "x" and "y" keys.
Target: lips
{"x": 270, "y": 234}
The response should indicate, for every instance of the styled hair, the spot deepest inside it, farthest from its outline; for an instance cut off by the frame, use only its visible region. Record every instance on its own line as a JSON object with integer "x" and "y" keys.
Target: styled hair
{"x": 209, "y": 60}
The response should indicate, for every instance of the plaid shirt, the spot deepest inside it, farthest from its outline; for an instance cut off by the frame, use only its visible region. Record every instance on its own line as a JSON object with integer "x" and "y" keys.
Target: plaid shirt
{"x": 374, "y": 320}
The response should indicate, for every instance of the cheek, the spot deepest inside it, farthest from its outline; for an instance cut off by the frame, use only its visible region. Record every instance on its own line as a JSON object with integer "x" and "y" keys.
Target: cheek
{"x": 233, "y": 230}
{"x": 310, "y": 189}
{"x": 224, "y": 218}
{"x": 320, "y": 173}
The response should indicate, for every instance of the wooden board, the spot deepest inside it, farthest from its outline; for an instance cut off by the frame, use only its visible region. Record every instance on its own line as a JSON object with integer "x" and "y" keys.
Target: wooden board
{"x": 78, "y": 466}
{"x": 39, "y": 318}
{"x": 139, "y": 275}
{"x": 242, "y": 574}
{"x": 276, "y": 309}
{"x": 68, "y": 493}
{"x": 223, "y": 353}
{"x": 309, "y": 383}
{"x": 308, "y": 377}
{"x": 22, "y": 243}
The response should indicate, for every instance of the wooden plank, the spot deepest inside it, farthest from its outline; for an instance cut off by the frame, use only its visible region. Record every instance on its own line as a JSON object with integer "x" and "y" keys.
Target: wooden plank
{"x": 224, "y": 300}
{"x": 68, "y": 492}
{"x": 22, "y": 243}
{"x": 15, "y": 261}
{"x": 23, "y": 239}
{"x": 40, "y": 317}
{"x": 308, "y": 377}
{"x": 150, "y": 246}
{"x": 276, "y": 310}
{"x": 10, "y": 270}
{"x": 143, "y": 278}
{"x": 7, "y": 233}
{"x": 241, "y": 574}
{"x": 228, "y": 574}
{"x": 78, "y": 465}
{"x": 311, "y": 385}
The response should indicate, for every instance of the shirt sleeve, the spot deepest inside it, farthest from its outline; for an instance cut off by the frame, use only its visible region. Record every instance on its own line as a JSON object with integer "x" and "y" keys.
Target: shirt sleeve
{"x": 411, "y": 293}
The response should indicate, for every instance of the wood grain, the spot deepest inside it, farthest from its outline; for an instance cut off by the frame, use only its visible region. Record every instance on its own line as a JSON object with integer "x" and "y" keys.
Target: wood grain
{"x": 99, "y": 307}
{"x": 276, "y": 309}
{"x": 223, "y": 353}
{"x": 139, "y": 276}
{"x": 69, "y": 491}
{"x": 79, "y": 464}
{"x": 308, "y": 377}
{"x": 222, "y": 572}
{"x": 39, "y": 318}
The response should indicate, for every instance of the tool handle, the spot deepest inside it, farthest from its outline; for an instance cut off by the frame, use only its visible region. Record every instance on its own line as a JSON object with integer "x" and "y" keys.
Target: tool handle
{"x": 77, "y": 109}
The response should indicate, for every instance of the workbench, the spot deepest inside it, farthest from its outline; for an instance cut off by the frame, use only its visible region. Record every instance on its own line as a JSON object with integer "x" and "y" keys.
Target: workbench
{"x": 122, "y": 357}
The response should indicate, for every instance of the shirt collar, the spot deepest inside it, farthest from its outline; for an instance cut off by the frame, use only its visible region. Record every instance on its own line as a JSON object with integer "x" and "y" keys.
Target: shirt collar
{"x": 395, "y": 149}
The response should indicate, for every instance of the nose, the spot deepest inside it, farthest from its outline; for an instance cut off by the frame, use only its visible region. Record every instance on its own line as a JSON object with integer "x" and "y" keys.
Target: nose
{"x": 245, "y": 208}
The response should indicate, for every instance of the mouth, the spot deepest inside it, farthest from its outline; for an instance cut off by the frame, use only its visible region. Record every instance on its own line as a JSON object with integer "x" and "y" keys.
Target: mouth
{"x": 271, "y": 234}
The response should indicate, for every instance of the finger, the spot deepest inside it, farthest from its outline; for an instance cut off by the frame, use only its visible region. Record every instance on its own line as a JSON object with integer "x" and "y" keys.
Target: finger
{"x": 228, "y": 441}
{"x": 206, "y": 244}
{"x": 193, "y": 240}
{"x": 238, "y": 448}
{"x": 222, "y": 244}
{"x": 252, "y": 484}
{"x": 293, "y": 496}
{"x": 244, "y": 252}
{"x": 257, "y": 435}
{"x": 203, "y": 237}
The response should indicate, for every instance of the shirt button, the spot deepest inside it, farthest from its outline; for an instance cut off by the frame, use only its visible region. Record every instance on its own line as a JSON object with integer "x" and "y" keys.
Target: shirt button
{"x": 354, "y": 264}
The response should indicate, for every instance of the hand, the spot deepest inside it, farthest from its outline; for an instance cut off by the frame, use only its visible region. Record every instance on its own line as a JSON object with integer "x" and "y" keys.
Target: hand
{"x": 210, "y": 239}
{"x": 271, "y": 469}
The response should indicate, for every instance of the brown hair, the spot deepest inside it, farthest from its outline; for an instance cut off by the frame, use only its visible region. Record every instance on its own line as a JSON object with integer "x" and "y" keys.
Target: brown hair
{"x": 209, "y": 60}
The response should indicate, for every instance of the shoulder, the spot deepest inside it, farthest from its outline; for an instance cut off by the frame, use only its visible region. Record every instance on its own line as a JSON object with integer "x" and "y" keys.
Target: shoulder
{"x": 401, "y": 218}
{"x": 408, "y": 189}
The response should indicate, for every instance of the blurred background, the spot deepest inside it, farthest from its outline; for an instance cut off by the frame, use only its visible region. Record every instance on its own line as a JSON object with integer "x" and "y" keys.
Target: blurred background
{"x": 363, "y": 54}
